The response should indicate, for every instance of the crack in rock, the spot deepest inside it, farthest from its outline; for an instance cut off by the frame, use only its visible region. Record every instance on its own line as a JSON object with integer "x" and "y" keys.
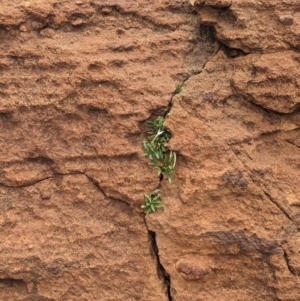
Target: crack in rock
{"x": 161, "y": 272}
{"x": 287, "y": 260}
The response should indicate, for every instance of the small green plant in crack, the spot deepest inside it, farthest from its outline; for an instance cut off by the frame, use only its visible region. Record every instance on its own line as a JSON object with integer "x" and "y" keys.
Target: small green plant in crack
{"x": 178, "y": 89}
{"x": 162, "y": 159}
{"x": 156, "y": 148}
{"x": 152, "y": 202}
{"x": 168, "y": 166}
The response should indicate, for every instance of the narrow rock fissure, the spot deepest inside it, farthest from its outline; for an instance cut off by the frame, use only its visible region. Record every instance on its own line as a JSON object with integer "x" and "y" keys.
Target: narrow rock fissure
{"x": 292, "y": 143}
{"x": 287, "y": 260}
{"x": 97, "y": 185}
{"x": 162, "y": 273}
{"x": 217, "y": 51}
{"x": 27, "y": 184}
{"x": 278, "y": 206}
{"x": 170, "y": 104}
{"x": 264, "y": 191}
{"x": 32, "y": 183}
{"x": 92, "y": 180}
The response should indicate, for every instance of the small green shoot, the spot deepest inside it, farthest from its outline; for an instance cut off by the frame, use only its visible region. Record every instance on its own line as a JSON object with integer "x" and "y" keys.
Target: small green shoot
{"x": 168, "y": 166}
{"x": 152, "y": 202}
{"x": 178, "y": 89}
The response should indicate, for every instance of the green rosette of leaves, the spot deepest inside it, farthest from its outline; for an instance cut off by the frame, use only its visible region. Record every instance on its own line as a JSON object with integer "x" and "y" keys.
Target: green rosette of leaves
{"x": 152, "y": 202}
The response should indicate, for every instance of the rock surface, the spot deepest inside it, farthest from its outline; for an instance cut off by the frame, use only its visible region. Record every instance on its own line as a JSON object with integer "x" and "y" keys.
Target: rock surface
{"x": 230, "y": 228}
{"x": 251, "y": 25}
{"x": 79, "y": 79}
{"x": 62, "y": 239}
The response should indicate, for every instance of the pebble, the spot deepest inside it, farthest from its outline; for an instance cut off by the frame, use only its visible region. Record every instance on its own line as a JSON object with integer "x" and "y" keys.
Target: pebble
{"x": 36, "y": 25}
{"x": 23, "y": 28}
{"x": 77, "y": 22}
{"x": 47, "y": 33}
{"x": 45, "y": 196}
{"x": 286, "y": 19}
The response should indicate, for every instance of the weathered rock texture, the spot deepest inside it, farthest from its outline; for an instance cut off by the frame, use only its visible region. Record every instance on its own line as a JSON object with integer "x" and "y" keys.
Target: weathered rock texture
{"x": 230, "y": 228}
{"x": 79, "y": 79}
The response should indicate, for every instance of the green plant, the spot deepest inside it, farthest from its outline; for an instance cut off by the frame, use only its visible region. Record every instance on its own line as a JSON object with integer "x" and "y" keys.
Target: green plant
{"x": 156, "y": 148}
{"x": 152, "y": 202}
{"x": 162, "y": 159}
{"x": 178, "y": 89}
{"x": 168, "y": 166}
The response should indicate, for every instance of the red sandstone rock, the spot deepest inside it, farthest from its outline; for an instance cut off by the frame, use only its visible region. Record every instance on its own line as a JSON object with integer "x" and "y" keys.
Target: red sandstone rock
{"x": 76, "y": 88}
{"x": 75, "y": 91}
{"x": 251, "y": 25}
{"x": 73, "y": 244}
{"x": 236, "y": 132}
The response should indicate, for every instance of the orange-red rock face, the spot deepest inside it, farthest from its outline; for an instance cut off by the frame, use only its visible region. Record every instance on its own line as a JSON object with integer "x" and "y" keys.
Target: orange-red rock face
{"x": 62, "y": 239}
{"x": 79, "y": 79}
{"x": 230, "y": 228}
{"x": 252, "y": 25}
